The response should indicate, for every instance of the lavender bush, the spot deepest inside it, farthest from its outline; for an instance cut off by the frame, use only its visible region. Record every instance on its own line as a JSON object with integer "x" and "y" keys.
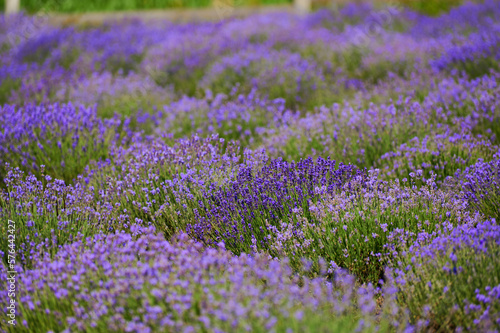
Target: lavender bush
{"x": 365, "y": 224}
{"x": 481, "y": 187}
{"x": 62, "y": 137}
{"x": 141, "y": 282}
{"x": 241, "y": 212}
{"x": 453, "y": 282}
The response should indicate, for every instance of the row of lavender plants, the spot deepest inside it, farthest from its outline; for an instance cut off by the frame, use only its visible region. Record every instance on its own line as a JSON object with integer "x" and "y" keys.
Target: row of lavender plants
{"x": 333, "y": 172}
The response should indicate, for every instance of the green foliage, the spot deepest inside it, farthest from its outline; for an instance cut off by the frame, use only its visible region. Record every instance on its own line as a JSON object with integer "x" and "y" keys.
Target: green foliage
{"x": 489, "y": 203}
{"x": 352, "y": 61}
{"x": 184, "y": 80}
{"x": 71, "y": 6}
{"x": 40, "y": 53}
{"x": 478, "y": 67}
{"x": 130, "y": 107}
{"x": 431, "y": 7}
{"x": 7, "y": 86}
{"x": 241, "y": 130}
{"x": 4, "y": 47}
{"x": 69, "y": 57}
{"x": 297, "y": 86}
{"x": 489, "y": 128}
{"x": 122, "y": 65}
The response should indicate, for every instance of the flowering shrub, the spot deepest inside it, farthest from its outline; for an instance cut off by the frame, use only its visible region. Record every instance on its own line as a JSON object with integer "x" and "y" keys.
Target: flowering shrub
{"x": 364, "y": 225}
{"x": 244, "y": 119}
{"x": 49, "y": 213}
{"x": 444, "y": 155}
{"x": 62, "y": 137}
{"x": 141, "y": 282}
{"x": 481, "y": 187}
{"x": 453, "y": 282}
{"x": 301, "y": 78}
{"x": 240, "y": 213}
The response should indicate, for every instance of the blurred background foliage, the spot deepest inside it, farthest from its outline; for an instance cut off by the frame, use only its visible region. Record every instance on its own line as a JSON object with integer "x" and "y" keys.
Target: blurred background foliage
{"x": 70, "y": 6}
{"x": 429, "y": 7}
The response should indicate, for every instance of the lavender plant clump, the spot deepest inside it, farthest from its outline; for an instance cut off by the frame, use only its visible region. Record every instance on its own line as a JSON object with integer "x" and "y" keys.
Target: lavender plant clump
{"x": 275, "y": 173}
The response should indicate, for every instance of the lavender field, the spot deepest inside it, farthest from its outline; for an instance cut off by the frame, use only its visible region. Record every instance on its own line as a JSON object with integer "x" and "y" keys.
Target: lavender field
{"x": 333, "y": 172}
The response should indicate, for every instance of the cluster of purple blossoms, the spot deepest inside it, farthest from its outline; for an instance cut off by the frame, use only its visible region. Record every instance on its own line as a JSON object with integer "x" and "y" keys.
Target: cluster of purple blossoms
{"x": 481, "y": 187}
{"x": 63, "y": 137}
{"x": 240, "y": 212}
